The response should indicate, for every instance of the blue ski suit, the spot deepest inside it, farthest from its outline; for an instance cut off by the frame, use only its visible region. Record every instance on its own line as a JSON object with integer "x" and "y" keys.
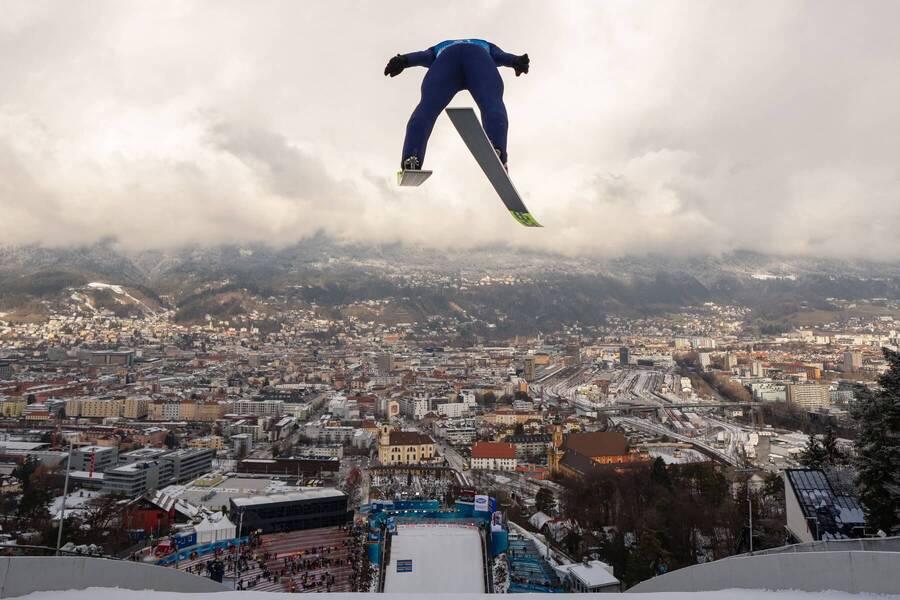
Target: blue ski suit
{"x": 456, "y": 65}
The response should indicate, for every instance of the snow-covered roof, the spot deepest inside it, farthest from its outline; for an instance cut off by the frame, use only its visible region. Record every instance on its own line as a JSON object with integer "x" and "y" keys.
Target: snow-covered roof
{"x": 538, "y": 520}
{"x": 593, "y": 574}
{"x": 168, "y": 500}
{"x": 311, "y": 494}
{"x": 86, "y": 475}
{"x": 76, "y": 503}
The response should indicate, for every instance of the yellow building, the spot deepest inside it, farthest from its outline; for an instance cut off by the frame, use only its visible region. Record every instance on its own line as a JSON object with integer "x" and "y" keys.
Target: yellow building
{"x": 511, "y": 417}
{"x": 12, "y": 408}
{"x": 404, "y": 447}
{"x": 210, "y": 411}
{"x": 136, "y": 408}
{"x": 156, "y": 411}
{"x": 97, "y": 408}
{"x": 185, "y": 410}
{"x": 213, "y": 442}
{"x": 188, "y": 411}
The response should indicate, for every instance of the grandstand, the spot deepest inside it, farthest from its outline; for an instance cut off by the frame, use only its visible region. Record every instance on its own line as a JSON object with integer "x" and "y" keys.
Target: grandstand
{"x": 435, "y": 558}
{"x": 528, "y": 571}
{"x": 312, "y": 560}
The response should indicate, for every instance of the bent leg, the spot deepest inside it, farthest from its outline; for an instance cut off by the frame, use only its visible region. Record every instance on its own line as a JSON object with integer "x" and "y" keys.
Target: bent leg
{"x": 441, "y": 83}
{"x": 486, "y": 86}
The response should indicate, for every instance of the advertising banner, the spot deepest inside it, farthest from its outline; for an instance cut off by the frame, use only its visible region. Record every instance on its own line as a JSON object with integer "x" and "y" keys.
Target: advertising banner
{"x": 482, "y": 503}
{"x": 466, "y": 495}
{"x": 404, "y": 566}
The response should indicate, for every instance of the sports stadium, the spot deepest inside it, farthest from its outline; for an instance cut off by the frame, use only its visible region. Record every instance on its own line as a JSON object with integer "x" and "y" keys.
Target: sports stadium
{"x": 416, "y": 546}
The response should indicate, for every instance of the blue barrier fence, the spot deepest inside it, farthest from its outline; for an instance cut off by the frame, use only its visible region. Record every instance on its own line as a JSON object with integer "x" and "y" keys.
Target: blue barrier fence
{"x": 201, "y": 549}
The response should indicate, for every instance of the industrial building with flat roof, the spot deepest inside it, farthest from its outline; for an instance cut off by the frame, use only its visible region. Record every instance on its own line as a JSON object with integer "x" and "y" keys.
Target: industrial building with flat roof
{"x": 149, "y": 469}
{"x": 307, "y": 509}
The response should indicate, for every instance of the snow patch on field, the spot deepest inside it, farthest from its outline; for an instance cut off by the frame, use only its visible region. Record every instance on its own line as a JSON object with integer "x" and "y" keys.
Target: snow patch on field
{"x": 120, "y": 291}
{"x": 685, "y": 455}
{"x": 106, "y": 286}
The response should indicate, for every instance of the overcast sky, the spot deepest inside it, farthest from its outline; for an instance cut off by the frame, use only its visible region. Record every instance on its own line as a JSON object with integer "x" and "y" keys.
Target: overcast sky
{"x": 677, "y": 127}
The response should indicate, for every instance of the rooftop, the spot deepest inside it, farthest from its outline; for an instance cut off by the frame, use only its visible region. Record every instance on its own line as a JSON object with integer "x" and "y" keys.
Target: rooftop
{"x": 836, "y": 514}
{"x": 306, "y": 494}
{"x": 597, "y": 443}
{"x": 409, "y": 438}
{"x": 10, "y": 445}
{"x": 592, "y": 574}
{"x": 493, "y": 450}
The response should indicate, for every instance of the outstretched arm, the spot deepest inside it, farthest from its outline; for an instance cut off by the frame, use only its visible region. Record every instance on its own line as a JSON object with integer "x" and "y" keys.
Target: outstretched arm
{"x": 505, "y": 59}
{"x": 414, "y": 59}
{"x": 420, "y": 59}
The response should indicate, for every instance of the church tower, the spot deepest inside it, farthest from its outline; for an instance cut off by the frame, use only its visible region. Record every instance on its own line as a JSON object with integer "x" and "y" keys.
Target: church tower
{"x": 555, "y": 451}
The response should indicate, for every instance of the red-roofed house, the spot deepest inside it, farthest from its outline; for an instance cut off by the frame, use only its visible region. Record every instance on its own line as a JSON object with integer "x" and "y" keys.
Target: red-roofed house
{"x": 494, "y": 456}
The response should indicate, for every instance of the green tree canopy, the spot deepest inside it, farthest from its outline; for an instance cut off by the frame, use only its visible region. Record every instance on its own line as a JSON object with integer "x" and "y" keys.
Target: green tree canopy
{"x": 878, "y": 448}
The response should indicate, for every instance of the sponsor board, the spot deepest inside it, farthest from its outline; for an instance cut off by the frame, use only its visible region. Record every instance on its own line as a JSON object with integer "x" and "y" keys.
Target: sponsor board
{"x": 482, "y": 503}
{"x": 466, "y": 495}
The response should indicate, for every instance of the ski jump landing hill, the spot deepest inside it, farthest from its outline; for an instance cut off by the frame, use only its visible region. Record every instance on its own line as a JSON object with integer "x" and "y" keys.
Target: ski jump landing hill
{"x": 437, "y": 558}
{"x": 419, "y": 547}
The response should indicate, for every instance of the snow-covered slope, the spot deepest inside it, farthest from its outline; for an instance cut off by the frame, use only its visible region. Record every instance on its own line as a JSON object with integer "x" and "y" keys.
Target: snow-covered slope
{"x": 444, "y": 559}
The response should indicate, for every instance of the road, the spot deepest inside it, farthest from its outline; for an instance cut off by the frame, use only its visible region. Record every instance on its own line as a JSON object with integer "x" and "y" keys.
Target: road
{"x": 649, "y": 427}
{"x": 455, "y": 461}
{"x": 733, "y": 432}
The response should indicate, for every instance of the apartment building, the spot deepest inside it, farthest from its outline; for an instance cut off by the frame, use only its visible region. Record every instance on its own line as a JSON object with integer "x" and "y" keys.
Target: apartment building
{"x": 136, "y": 407}
{"x": 808, "y": 395}
{"x": 211, "y": 442}
{"x": 494, "y": 456}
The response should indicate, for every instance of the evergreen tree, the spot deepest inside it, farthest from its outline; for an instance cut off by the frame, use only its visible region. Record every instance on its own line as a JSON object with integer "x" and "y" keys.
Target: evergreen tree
{"x": 659, "y": 473}
{"x": 878, "y": 448}
{"x": 833, "y": 454}
{"x": 814, "y": 455}
{"x": 544, "y": 501}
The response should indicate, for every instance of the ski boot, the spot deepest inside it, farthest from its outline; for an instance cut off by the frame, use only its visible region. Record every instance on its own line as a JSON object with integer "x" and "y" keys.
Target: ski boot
{"x": 411, "y": 173}
{"x": 500, "y": 156}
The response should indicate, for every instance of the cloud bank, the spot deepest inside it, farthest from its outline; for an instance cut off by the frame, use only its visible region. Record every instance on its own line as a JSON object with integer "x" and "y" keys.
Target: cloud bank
{"x": 680, "y": 128}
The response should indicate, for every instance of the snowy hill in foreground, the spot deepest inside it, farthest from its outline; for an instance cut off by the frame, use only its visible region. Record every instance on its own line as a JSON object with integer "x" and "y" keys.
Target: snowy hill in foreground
{"x": 114, "y": 594}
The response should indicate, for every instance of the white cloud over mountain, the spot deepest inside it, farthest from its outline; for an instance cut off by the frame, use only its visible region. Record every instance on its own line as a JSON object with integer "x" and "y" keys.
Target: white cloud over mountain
{"x": 679, "y": 128}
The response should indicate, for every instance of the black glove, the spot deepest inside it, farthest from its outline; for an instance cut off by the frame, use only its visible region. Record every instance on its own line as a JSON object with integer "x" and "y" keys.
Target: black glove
{"x": 396, "y": 65}
{"x": 521, "y": 64}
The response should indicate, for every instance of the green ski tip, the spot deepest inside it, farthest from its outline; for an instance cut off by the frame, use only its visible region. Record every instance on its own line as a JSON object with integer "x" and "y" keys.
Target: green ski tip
{"x": 525, "y": 219}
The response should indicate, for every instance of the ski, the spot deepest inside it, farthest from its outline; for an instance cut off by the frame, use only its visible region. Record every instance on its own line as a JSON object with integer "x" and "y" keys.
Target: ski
{"x": 472, "y": 133}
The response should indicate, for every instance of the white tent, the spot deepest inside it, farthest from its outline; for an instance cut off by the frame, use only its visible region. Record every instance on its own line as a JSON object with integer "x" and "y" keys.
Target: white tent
{"x": 215, "y": 531}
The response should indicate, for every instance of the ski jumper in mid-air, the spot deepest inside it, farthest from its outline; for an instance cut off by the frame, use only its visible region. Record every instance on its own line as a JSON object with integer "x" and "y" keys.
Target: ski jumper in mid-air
{"x": 456, "y": 65}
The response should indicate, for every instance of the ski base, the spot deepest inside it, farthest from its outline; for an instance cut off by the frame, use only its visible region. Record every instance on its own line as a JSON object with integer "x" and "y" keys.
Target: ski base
{"x": 411, "y": 177}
